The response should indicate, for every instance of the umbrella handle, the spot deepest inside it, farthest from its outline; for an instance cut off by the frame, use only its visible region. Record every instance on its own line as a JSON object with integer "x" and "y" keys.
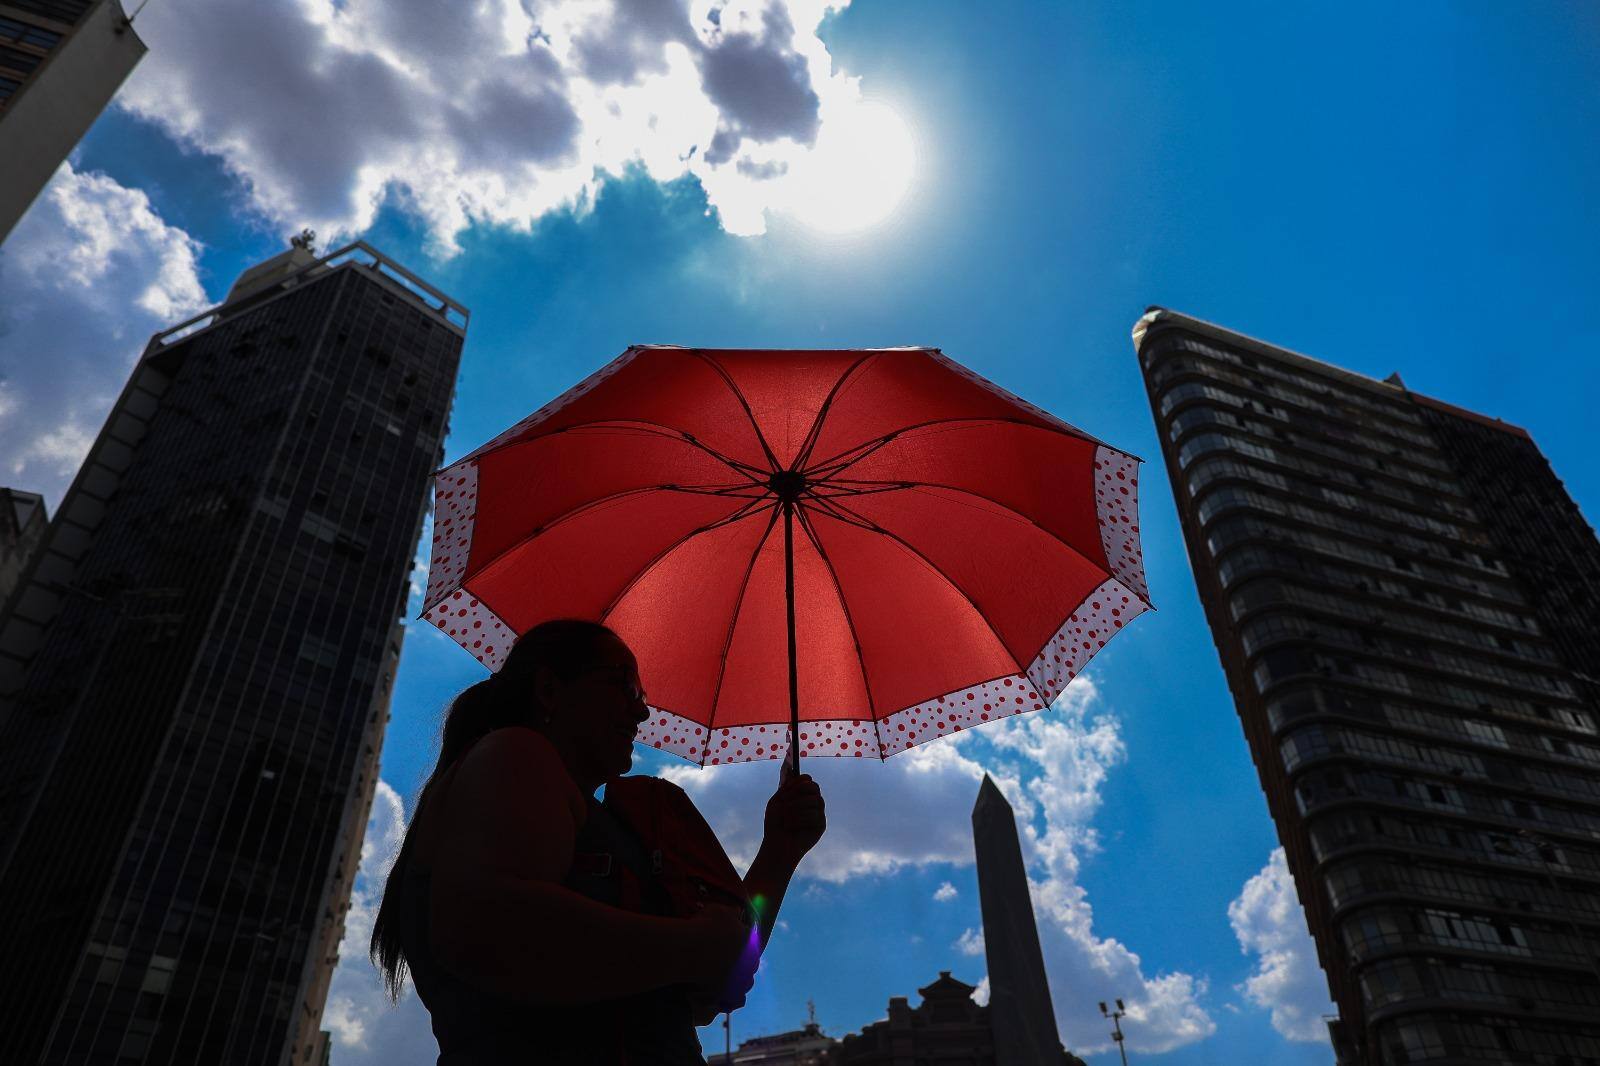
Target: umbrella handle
{"x": 794, "y": 668}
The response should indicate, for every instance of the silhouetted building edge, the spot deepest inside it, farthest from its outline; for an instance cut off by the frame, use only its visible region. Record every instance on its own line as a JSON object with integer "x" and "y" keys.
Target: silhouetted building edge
{"x": 24, "y": 520}
{"x": 272, "y": 454}
{"x": 1402, "y": 597}
{"x": 54, "y": 105}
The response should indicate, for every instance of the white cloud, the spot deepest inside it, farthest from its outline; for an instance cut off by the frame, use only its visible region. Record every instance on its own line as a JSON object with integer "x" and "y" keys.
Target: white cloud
{"x": 493, "y": 111}
{"x": 1288, "y": 980}
{"x": 945, "y": 893}
{"x": 87, "y": 275}
{"x": 366, "y": 1026}
{"x": 1074, "y": 750}
{"x": 915, "y": 810}
{"x": 970, "y": 942}
{"x": 910, "y": 811}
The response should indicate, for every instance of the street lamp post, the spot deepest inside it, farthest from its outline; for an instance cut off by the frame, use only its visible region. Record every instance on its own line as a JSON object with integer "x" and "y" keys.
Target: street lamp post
{"x": 1116, "y": 1017}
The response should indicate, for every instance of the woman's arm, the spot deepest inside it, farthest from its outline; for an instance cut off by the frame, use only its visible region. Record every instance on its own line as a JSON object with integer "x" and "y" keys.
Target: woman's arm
{"x": 501, "y": 919}
{"x": 795, "y": 820}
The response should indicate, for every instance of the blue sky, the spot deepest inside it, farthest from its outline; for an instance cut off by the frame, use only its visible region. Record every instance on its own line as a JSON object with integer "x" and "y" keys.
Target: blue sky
{"x": 1402, "y": 188}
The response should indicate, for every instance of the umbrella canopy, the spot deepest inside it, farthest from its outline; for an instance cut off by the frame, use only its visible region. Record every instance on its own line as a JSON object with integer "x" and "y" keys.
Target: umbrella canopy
{"x": 904, "y": 547}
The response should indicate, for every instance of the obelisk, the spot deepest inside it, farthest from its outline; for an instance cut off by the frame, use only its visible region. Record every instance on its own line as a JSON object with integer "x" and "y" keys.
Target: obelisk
{"x": 1020, "y": 1010}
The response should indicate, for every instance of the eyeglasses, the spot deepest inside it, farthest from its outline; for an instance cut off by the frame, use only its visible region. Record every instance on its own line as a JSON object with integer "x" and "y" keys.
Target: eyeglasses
{"x": 621, "y": 677}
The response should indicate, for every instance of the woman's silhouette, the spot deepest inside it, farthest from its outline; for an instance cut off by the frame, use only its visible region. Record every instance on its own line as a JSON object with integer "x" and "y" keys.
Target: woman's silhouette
{"x": 524, "y": 947}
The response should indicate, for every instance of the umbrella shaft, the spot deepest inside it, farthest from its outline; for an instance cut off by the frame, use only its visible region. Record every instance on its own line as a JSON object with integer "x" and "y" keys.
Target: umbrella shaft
{"x": 794, "y": 668}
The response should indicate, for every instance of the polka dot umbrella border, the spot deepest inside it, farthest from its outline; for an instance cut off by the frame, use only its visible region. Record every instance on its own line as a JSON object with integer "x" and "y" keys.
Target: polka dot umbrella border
{"x": 477, "y": 618}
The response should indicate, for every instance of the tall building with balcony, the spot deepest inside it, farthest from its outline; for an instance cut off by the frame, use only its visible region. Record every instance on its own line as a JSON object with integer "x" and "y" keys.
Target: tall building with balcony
{"x": 1406, "y": 603}
{"x": 195, "y": 671}
{"x": 61, "y": 61}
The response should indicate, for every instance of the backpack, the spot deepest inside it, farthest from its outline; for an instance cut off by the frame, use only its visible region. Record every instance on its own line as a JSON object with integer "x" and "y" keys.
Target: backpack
{"x": 686, "y": 859}
{"x": 687, "y": 863}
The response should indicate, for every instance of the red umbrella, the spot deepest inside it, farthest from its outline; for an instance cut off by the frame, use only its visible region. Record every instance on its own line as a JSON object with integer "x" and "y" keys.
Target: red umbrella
{"x": 902, "y": 546}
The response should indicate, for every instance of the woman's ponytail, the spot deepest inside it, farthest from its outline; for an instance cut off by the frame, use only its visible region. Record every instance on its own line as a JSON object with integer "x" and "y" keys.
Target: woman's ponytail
{"x": 477, "y": 711}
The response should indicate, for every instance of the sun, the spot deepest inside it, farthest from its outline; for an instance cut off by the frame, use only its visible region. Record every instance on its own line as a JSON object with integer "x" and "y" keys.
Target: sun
{"x": 858, "y": 172}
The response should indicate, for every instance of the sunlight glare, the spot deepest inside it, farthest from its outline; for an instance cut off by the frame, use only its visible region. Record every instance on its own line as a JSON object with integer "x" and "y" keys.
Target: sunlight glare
{"x": 859, "y": 171}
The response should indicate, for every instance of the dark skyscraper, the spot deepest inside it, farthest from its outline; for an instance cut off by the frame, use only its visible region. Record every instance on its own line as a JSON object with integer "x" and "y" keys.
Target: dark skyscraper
{"x": 61, "y": 61}
{"x": 1020, "y": 1010}
{"x": 195, "y": 674}
{"x": 1407, "y": 607}
{"x": 23, "y": 520}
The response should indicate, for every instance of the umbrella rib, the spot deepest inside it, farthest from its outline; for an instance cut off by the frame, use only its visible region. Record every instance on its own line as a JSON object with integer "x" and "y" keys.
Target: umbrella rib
{"x": 582, "y": 508}
{"x": 744, "y": 512}
{"x": 923, "y": 486}
{"x": 838, "y": 586}
{"x": 815, "y": 432}
{"x": 755, "y": 473}
{"x": 727, "y": 639}
{"x": 727, "y": 379}
{"x": 839, "y": 491}
{"x": 838, "y": 463}
{"x": 737, "y": 492}
{"x": 931, "y": 565}
{"x": 835, "y": 513}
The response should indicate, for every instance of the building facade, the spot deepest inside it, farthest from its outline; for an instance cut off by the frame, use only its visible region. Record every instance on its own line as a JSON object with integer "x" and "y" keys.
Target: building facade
{"x": 1407, "y": 607}
{"x": 61, "y": 61}
{"x": 23, "y": 521}
{"x": 195, "y": 673}
{"x": 948, "y": 1028}
{"x": 807, "y": 1046}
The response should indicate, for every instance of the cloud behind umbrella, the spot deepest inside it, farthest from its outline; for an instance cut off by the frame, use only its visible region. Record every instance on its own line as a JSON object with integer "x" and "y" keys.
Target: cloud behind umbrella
{"x": 1052, "y": 766}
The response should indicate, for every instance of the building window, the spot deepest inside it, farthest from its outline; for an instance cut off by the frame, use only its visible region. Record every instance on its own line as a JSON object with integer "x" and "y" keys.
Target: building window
{"x": 12, "y": 30}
